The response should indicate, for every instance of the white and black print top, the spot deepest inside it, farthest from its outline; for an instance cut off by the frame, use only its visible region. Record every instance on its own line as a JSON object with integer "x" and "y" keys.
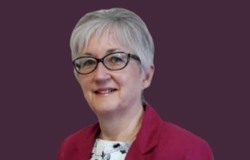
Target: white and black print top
{"x": 109, "y": 150}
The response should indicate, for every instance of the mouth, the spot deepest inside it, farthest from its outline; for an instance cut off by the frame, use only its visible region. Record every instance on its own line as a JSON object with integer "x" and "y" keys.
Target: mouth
{"x": 105, "y": 91}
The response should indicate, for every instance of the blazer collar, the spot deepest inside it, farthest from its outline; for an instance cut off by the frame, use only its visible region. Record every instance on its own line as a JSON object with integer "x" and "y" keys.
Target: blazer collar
{"x": 146, "y": 139}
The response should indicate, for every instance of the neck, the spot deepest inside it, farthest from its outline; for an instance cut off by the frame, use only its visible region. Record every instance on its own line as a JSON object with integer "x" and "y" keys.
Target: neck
{"x": 122, "y": 126}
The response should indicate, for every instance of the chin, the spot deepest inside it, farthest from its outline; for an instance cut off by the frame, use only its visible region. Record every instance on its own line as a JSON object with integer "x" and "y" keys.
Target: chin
{"x": 104, "y": 108}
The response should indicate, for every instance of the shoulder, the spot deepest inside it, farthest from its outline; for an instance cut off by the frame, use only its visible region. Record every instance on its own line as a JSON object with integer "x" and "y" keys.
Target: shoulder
{"x": 175, "y": 132}
{"x": 81, "y": 135}
{"x": 184, "y": 142}
{"x": 79, "y": 141}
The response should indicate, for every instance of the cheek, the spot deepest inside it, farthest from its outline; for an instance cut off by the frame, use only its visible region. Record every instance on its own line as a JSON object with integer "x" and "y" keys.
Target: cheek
{"x": 132, "y": 80}
{"x": 84, "y": 85}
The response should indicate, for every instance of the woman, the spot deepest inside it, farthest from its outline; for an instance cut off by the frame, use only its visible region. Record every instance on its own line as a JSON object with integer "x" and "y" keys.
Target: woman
{"x": 112, "y": 53}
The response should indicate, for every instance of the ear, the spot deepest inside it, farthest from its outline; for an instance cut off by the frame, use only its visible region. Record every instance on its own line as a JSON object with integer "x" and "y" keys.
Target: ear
{"x": 148, "y": 77}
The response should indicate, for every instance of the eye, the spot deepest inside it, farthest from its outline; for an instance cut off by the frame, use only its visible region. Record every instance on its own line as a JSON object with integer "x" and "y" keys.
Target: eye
{"x": 88, "y": 62}
{"x": 117, "y": 58}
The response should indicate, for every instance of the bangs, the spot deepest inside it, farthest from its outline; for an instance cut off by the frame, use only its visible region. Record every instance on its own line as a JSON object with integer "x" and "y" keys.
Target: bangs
{"x": 117, "y": 32}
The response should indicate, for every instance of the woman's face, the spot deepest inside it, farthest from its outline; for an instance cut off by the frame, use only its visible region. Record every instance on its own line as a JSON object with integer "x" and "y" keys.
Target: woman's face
{"x": 111, "y": 91}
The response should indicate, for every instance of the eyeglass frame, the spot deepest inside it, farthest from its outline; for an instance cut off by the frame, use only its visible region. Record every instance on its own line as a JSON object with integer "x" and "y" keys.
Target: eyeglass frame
{"x": 129, "y": 55}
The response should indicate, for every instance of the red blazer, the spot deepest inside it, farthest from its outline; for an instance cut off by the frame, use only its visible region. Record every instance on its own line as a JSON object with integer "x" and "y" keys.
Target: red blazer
{"x": 156, "y": 140}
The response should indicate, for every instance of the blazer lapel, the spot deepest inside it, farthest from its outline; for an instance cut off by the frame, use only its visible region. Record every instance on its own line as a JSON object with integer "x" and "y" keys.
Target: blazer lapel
{"x": 148, "y": 135}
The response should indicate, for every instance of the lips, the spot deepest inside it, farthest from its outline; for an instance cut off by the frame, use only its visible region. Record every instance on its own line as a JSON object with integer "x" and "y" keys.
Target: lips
{"x": 105, "y": 91}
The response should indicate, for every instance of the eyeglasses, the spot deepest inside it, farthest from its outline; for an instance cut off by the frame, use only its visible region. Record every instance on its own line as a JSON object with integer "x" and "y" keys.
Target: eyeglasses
{"x": 114, "y": 61}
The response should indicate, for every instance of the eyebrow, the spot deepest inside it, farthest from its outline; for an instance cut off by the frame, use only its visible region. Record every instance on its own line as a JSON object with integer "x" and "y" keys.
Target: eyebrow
{"x": 88, "y": 54}
{"x": 113, "y": 50}
{"x": 107, "y": 52}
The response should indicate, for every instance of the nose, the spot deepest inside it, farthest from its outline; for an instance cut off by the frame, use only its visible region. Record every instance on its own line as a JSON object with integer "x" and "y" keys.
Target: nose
{"x": 101, "y": 73}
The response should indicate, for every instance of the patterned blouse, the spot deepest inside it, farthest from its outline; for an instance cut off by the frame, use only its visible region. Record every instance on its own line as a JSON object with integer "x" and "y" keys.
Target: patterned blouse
{"x": 109, "y": 150}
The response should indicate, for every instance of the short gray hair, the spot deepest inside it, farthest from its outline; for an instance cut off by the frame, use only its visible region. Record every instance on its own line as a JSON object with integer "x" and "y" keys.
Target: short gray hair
{"x": 127, "y": 28}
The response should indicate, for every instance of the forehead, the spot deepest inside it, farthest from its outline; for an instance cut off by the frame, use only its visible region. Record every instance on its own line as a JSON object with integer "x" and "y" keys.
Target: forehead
{"x": 103, "y": 44}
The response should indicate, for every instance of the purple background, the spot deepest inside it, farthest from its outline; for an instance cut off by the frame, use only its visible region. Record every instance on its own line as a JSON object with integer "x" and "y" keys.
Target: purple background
{"x": 201, "y": 81}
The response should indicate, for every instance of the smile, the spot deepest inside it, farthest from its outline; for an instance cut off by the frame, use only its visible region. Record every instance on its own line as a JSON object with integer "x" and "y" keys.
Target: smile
{"x": 104, "y": 91}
